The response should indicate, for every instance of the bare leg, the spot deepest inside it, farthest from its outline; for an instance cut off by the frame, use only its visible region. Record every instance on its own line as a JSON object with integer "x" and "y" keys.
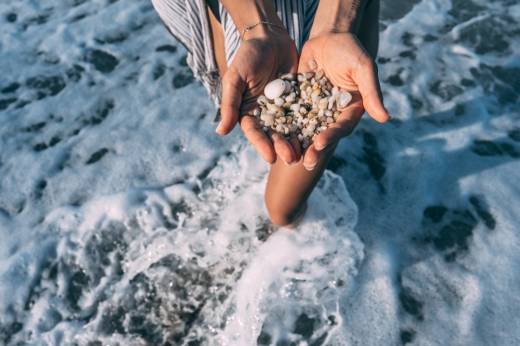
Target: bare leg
{"x": 288, "y": 187}
{"x": 217, "y": 35}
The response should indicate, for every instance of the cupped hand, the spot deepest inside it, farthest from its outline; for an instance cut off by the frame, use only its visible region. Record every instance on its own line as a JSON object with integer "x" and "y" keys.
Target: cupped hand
{"x": 258, "y": 60}
{"x": 348, "y": 66}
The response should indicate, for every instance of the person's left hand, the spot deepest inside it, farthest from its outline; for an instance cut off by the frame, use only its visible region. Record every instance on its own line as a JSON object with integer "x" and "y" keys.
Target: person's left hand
{"x": 348, "y": 66}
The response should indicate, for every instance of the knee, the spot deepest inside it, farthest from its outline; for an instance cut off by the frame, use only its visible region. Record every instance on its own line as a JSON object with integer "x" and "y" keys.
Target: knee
{"x": 283, "y": 214}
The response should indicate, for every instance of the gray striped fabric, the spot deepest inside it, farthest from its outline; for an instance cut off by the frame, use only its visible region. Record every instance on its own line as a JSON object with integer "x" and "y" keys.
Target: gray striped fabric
{"x": 187, "y": 20}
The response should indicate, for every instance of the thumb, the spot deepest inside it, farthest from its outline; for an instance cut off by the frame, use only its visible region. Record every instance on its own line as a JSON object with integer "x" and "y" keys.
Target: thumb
{"x": 307, "y": 63}
{"x": 233, "y": 87}
{"x": 370, "y": 90}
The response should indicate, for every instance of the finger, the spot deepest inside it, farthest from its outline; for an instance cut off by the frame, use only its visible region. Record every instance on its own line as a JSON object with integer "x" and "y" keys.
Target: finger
{"x": 368, "y": 84}
{"x": 258, "y": 138}
{"x": 307, "y": 63}
{"x": 283, "y": 148}
{"x": 312, "y": 157}
{"x": 295, "y": 143}
{"x": 233, "y": 88}
{"x": 346, "y": 123}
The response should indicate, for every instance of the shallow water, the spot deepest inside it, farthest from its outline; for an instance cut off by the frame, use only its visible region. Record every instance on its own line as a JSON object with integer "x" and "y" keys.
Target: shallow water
{"x": 125, "y": 221}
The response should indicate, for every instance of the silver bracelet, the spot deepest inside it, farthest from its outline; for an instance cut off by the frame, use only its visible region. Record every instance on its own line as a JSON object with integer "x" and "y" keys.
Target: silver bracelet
{"x": 250, "y": 27}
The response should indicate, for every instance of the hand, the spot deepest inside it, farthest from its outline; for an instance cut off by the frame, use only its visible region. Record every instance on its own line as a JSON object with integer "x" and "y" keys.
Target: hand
{"x": 259, "y": 60}
{"x": 348, "y": 66}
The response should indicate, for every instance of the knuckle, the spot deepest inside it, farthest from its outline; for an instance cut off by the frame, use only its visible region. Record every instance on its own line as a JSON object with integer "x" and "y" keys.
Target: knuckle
{"x": 366, "y": 63}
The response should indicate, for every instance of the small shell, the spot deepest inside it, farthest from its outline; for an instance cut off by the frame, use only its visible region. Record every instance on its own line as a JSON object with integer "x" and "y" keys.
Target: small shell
{"x": 291, "y": 97}
{"x": 287, "y": 76}
{"x": 268, "y": 119}
{"x": 278, "y": 101}
{"x": 271, "y": 108}
{"x": 308, "y": 75}
{"x": 295, "y": 107}
{"x": 331, "y": 102}
{"x": 262, "y": 100}
{"x": 343, "y": 99}
{"x": 275, "y": 88}
{"x": 256, "y": 112}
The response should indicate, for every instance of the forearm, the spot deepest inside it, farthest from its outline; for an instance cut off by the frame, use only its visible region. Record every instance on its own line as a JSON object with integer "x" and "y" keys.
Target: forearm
{"x": 250, "y": 12}
{"x": 338, "y": 16}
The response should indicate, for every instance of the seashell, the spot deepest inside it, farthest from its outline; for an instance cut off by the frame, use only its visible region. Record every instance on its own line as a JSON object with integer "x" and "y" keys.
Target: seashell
{"x": 343, "y": 99}
{"x": 272, "y": 108}
{"x": 287, "y": 76}
{"x": 256, "y": 112}
{"x": 331, "y": 102}
{"x": 323, "y": 103}
{"x": 268, "y": 119}
{"x": 295, "y": 107}
{"x": 308, "y": 75}
{"x": 275, "y": 88}
{"x": 262, "y": 100}
{"x": 278, "y": 101}
{"x": 319, "y": 74}
{"x": 335, "y": 90}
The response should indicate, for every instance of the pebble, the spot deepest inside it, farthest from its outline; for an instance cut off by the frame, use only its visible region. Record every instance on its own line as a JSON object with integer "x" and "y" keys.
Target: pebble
{"x": 274, "y": 89}
{"x": 300, "y": 105}
{"x": 343, "y": 99}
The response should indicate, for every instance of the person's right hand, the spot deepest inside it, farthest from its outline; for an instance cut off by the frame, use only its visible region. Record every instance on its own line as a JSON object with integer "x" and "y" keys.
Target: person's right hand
{"x": 267, "y": 53}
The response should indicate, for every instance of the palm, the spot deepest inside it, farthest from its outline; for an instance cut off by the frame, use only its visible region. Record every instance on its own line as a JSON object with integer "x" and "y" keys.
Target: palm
{"x": 256, "y": 63}
{"x": 348, "y": 66}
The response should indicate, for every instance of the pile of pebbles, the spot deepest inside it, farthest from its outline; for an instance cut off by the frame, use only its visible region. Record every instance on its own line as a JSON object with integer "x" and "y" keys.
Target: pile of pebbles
{"x": 301, "y": 105}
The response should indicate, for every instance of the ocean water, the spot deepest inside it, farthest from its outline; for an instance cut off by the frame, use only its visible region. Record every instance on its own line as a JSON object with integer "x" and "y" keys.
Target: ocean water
{"x": 124, "y": 220}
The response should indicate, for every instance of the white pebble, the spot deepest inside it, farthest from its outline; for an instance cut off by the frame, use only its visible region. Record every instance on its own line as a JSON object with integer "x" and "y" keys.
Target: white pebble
{"x": 275, "y": 89}
{"x": 343, "y": 99}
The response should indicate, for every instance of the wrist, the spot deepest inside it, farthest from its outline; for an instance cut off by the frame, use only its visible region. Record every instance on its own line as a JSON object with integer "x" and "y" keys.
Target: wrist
{"x": 246, "y": 13}
{"x": 264, "y": 30}
{"x": 337, "y": 16}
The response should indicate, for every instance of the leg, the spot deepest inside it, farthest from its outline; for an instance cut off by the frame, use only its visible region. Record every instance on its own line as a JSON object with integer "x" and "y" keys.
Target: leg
{"x": 217, "y": 35}
{"x": 288, "y": 187}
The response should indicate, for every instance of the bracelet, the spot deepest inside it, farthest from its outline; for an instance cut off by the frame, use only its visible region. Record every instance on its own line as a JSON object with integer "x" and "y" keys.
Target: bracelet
{"x": 251, "y": 27}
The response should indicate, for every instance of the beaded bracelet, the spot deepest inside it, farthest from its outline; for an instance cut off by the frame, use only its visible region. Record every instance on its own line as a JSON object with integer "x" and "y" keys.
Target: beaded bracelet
{"x": 251, "y": 27}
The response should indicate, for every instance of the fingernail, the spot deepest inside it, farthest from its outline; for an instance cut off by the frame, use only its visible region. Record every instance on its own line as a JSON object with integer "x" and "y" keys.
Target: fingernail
{"x": 218, "y": 130}
{"x": 309, "y": 167}
{"x": 320, "y": 147}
